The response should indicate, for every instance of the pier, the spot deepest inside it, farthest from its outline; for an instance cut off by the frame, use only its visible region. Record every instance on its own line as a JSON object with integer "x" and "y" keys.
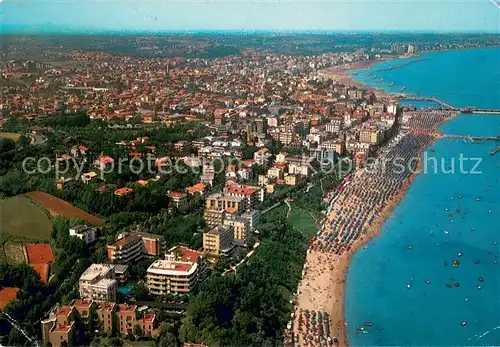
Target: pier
{"x": 430, "y": 99}
{"x": 495, "y": 151}
{"x": 446, "y": 106}
{"x": 474, "y": 139}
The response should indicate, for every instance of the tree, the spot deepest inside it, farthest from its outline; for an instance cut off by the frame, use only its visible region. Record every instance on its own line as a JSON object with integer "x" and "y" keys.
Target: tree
{"x": 140, "y": 292}
{"x": 137, "y": 330}
{"x": 116, "y": 342}
{"x": 168, "y": 340}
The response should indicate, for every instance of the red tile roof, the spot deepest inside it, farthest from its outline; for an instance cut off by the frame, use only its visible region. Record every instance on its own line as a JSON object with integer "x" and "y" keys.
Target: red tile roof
{"x": 7, "y": 295}
{"x": 188, "y": 254}
{"x": 242, "y": 190}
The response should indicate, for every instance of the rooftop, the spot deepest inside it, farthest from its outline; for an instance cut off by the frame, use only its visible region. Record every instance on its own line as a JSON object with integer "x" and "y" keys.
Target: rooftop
{"x": 126, "y": 308}
{"x": 242, "y": 190}
{"x": 96, "y": 270}
{"x": 172, "y": 267}
{"x": 119, "y": 268}
{"x": 220, "y": 229}
{"x": 63, "y": 328}
{"x": 126, "y": 241}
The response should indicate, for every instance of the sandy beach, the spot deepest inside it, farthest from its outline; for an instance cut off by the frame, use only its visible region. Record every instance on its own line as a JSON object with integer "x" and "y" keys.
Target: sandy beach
{"x": 322, "y": 288}
{"x": 323, "y": 285}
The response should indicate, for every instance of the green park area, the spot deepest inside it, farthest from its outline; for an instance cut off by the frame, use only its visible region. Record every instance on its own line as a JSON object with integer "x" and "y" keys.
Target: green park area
{"x": 21, "y": 217}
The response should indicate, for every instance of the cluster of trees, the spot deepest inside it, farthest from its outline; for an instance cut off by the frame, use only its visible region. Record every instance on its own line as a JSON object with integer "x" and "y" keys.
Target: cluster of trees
{"x": 36, "y": 298}
{"x": 252, "y": 306}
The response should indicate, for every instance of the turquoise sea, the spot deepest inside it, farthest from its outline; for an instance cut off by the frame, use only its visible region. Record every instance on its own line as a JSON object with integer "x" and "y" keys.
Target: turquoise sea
{"x": 460, "y": 78}
{"x": 445, "y": 217}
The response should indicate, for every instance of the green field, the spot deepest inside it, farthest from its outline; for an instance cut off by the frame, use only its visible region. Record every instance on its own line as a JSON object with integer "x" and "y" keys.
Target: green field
{"x": 20, "y": 217}
{"x": 12, "y": 136}
{"x": 303, "y": 221}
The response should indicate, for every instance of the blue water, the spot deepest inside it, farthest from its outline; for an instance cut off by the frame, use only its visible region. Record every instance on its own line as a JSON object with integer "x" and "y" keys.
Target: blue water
{"x": 425, "y": 231}
{"x": 460, "y": 78}
{"x": 125, "y": 289}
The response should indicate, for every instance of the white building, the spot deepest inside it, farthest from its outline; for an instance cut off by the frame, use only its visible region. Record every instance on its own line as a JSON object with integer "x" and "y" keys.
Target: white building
{"x": 98, "y": 283}
{"x": 84, "y": 232}
{"x": 179, "y": 273}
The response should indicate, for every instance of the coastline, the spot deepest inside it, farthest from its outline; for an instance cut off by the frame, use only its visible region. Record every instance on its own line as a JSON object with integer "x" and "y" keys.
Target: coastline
{"x": 325, "y": 274}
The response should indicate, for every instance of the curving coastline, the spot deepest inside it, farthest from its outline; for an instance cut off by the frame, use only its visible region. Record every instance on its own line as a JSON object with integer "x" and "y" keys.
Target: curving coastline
{"x": 322, "y": 288}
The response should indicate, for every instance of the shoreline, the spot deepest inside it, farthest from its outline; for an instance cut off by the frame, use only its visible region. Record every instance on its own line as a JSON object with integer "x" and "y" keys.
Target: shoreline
{"x": 327, "y": 273}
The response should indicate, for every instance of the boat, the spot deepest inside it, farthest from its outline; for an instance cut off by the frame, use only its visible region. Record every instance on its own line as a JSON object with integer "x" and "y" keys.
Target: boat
{"x": 403, "y": 89}
{"x": 427, "y": 281}
{"x": 368, "y": 324}
{"x": 448, "y": 285}
{"x": 480, "y": 279}
{"x": 456, "y": 284}
{"x": 391, "y": 84}
{"x": 464, "y": 323}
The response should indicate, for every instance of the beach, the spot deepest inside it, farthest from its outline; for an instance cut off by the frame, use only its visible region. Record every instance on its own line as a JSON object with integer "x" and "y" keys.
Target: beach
{"x": 322, "y": 288}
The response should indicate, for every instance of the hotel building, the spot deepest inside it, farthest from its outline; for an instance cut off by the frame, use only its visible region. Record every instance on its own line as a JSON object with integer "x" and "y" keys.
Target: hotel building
{"x": 179, "y": 273}
{"x": 126, "y": 249}
{"x": 219, "y": 241}
{"x": 98, "y": 283}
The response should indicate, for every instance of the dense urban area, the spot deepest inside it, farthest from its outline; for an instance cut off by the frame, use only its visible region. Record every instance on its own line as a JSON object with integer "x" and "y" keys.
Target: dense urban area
{"x": 164, "y": 190}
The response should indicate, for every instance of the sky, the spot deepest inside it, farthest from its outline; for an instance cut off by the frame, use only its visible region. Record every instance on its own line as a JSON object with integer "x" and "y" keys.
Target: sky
{"x": 174, "y": 15}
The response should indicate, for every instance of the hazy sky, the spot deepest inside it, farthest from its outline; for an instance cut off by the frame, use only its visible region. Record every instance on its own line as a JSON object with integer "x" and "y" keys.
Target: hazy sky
{"x": 439, "y": 15}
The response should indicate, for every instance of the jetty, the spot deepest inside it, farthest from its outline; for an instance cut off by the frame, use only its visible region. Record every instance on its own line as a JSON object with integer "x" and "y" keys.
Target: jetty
{"x": 401, "y": 65}
{"x": 473, "y": 139}
{"x": 429, "y": 99}
{"x": 495, "y": 151}
{"x": 446, "y": 106}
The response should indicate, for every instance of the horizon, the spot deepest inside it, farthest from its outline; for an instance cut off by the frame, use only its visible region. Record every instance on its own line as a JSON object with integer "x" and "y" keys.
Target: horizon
{"x": 56, "y": 16}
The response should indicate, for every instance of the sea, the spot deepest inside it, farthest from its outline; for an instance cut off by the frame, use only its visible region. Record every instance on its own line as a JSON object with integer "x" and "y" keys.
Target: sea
{"x": 432, "y": 276}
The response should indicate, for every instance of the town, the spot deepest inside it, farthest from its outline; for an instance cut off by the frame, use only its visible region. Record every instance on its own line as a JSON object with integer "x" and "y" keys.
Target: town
{"x": 159, "y": 177}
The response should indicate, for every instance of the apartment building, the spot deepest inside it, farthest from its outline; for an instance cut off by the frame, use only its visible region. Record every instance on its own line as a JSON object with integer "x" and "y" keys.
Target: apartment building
{"x": 253, "y": 216}
{"x": 219, "y": 241}
{"x": 84, "y": 232}
{"x": 127, "y": 318}
{"x": 59, "y": 327}
{"x": 240, "y": 226}
{"x": 105, "y": 314}
{"x": 228, "y": 203}
{"x": 250, "y": 195}
{"x": 153, "y": 244}
{"x": 372, "y": 136}
{"x": 214, "y": 216}
{"x": 179, "y": 273}
{"x": 126, "y": 249}
{"x": 98, "y": 283}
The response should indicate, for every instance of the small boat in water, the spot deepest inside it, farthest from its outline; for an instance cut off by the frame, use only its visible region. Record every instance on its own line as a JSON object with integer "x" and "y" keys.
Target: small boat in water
{"x": 391, "y": 84}
{"x": 480, "y": 279}
{"x": 368, "y": 324}
{"x": 427, "y": 281}
{"x": 464, "y": 323}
